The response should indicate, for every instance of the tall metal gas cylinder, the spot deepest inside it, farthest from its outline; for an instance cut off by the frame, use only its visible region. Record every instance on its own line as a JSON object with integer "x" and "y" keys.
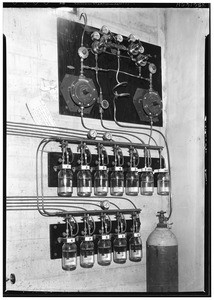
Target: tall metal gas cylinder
{"x": 162, "y": 258}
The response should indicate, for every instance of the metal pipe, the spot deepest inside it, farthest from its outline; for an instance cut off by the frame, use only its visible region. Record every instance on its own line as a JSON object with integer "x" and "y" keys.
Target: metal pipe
{"x": 42, "y": 133}
{"x": 96, "y": 212}
{"x": 127, "y": 132}
{"x": 83, "y": 124}
{"x": 167, "y": 150}
{"x": 48, "y": 128}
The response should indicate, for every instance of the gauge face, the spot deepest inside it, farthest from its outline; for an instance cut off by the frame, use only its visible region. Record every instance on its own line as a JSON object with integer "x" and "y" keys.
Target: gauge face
{"x": 83, "y": 52}
{"x": 106, "y": 204}
{"x": 104, "y": 29}
{"x": 152, "y": 68}
{"x": 92, "y": 134}
{"x": 95, "y": 35}
{"x": 132, "y": 38}
{"x": 107, "y": 136}
{"x": 83, "y": 92}
{"x": 105, "y": 104}
{"x": 152, "y": 104}
{"x": 141, "y": 49}
{"x": 119, "y": 38}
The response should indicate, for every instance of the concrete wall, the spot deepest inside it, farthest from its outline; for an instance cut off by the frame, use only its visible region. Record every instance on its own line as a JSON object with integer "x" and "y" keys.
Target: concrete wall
{"x": 185, "y": 35}
{"x": 32, "y": 72}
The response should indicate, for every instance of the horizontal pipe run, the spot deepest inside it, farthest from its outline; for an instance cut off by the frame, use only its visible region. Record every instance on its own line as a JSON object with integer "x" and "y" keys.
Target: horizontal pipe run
{"x": 98, "y": 212}
{"x": 45, "y": 127}
{"x": 12, "y": 128}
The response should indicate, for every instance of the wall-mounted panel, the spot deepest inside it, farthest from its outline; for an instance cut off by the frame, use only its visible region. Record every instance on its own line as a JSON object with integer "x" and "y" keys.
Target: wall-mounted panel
{"x": 69, "y": 36}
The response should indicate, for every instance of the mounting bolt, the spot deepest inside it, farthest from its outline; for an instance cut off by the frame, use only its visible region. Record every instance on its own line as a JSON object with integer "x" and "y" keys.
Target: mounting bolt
{"x": 55, "y": 226}
{"x": 55, "y": 254}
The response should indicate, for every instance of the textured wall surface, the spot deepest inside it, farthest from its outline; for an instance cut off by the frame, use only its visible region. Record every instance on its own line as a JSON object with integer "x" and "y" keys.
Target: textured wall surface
{"x": 32, "y": 72}
{"x": 186, "y": 31}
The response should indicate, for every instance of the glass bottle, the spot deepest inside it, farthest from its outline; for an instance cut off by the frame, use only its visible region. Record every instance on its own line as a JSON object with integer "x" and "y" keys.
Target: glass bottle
{"x": 163, "y": 183}
{"x": 84, "y": 181}
{"x": 147, "y": 182}
{"x": 120, "y": 249}
{"x": 87, "y": 252}
{"x": 104, "y": 251}
{"x": 117, "y": 182}
{"x": 132, "y": 182}
{"x": 135, "y": 247}
{"x": 65, "y": 177}
{"x": 69, "y": 255}
{"x": 101, "y": 181}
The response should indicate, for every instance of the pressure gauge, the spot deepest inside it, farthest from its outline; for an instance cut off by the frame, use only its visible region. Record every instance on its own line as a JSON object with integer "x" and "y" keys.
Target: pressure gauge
{"x": 119, "y": 38}
{"x": 105, "y": 204}
{"x": 83, "y": 52}
{"x": 152, "y": 104}
{"x": 104, "y": 104}
{"x": 152, "y": 68}
{"x": 92, "y": 134}
{"x": 107, "y": 136}
{"x": 131, "y": 38}
{"x": 141, "y": 60}
{"x": 141, "y": 49}
{"x": 104, "y": 30}
{"x": 95, "y": 36}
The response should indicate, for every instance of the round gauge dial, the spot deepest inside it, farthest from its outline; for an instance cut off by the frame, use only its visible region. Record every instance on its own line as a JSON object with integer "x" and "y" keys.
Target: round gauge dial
{"x": 107, "y": 136}
{"x": 104, "y": 104}
{"x": 141, "y": 49}
{"x": 152, "y": 68}
{"x": 104, "y": 29}
{"x": 152, "y": 104}
{"x": 131, "y": 38}
{"x": 105, "y": 204}
{"x": 83, "y": 52}
{"x": 119, "y": 38}
{"x": 92, "y": 134}
{"x": 95, "y": 36}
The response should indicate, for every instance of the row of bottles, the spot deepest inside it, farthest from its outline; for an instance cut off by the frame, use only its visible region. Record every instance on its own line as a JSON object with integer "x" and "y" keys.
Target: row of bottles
{"x": 133, "y": 182}
{"x": 104, "y": 251}
{"x": 104, "y": 246}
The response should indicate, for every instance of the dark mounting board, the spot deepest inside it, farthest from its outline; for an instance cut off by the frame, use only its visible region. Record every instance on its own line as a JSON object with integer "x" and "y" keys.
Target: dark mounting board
{"x": 69, "y": 40}
{"x": 57, "y": 230}
{"x": 53, "y": 160}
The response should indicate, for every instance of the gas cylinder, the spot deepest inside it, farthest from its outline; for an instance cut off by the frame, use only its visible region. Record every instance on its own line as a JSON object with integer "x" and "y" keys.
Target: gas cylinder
{"x": 162, "y": 258}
